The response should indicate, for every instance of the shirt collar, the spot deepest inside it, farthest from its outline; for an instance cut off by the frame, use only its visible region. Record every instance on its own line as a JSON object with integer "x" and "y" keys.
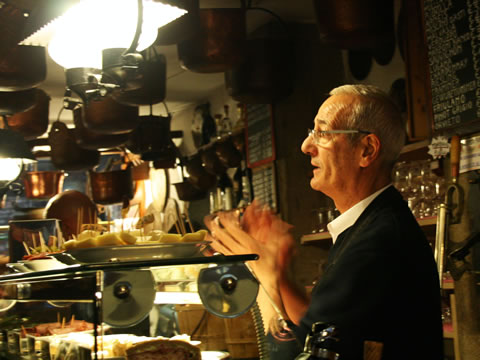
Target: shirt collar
{"x": 348, "y": 218}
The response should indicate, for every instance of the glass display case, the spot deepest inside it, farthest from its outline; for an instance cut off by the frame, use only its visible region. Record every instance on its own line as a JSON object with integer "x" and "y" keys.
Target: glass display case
{"x": 97, "y": 303}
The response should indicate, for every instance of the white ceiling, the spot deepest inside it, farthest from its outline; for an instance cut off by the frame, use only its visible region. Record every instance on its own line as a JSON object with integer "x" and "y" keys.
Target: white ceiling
{"x": 186, "y": 87}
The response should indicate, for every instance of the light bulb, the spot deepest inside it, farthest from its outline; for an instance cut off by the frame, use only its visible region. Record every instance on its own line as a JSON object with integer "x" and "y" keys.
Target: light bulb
{"x": 11, "y": 169}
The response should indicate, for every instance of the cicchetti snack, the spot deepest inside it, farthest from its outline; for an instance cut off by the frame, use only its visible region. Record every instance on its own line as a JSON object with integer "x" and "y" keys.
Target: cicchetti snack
{"x": 161, "y": 349}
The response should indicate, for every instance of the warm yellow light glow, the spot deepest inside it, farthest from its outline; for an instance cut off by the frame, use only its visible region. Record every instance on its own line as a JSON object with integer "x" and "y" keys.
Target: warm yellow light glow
{"x": 93, "y": 25}
{"x": 10, "y": 169}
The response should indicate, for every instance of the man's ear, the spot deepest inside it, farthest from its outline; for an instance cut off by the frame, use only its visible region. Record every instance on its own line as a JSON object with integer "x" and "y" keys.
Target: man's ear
{"x": 370, "y": 149}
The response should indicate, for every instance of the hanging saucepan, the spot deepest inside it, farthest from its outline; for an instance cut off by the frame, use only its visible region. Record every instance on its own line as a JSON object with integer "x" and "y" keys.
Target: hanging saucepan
{"x": 107, "y": 116}
{"x": 180, "y": 29}
{"x": 186, "y": 191}
{"x": 355, "y": 24}
{"x": 227, "y": 152}
{"x": 198, "y": 176}
{"x": 33, "y": 122}
{"x": 266, "y": 74}
{"x": 218, "y": 44}
{"x": 24, "y": 67}
{"x": 111, "y": 187}
{"x": 12, "y": 102}
{"x": 153, "y": 141}
{"x": 91, "y": 140}
{"x": 42, "y": 184}
{"x": 210, "y": 160}
{"x": 64, "y": 151}
{"x": 152, "y": 82}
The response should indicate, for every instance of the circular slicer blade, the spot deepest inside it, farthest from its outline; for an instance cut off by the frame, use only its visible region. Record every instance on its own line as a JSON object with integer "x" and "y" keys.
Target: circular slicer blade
{"x": 227, "y": 290}
{"x": 128, "y": 297}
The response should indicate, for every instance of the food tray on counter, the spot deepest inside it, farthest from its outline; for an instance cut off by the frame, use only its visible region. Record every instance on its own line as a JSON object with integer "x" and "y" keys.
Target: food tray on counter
{"x": 132, "y": 252}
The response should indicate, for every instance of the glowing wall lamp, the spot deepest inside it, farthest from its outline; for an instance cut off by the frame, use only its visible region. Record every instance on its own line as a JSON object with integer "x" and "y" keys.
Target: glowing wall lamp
{"x": 91, "y": 26}
{"x": 98, "y": 43}
{"x": 14, "y": 154}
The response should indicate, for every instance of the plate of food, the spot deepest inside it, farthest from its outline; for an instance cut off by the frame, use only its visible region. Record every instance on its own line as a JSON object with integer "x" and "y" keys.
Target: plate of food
{"x": 144, "y": 251}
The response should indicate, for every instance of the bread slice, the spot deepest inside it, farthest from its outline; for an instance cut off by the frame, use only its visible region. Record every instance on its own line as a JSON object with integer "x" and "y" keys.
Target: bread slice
{"x": 160, "y": 349}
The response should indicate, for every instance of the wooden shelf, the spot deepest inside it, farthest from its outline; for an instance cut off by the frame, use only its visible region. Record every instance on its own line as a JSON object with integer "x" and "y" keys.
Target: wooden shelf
{"x": 428, "y": 221}
{"x": 315, "y": 237}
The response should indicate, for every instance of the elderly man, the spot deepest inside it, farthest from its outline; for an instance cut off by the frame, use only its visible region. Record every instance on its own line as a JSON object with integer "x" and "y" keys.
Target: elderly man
{"x": 380, "y": 283}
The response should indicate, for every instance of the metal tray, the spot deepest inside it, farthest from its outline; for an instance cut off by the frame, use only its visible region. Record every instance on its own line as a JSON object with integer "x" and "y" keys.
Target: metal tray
{"x": 104, "y": 254}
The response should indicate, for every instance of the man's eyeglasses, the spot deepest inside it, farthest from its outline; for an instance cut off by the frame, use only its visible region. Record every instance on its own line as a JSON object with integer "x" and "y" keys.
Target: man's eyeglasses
{"x": 323, "y": 137}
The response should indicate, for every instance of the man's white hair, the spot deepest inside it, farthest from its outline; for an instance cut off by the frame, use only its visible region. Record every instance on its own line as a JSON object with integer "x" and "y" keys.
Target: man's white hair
{"x": 374, "y": 112}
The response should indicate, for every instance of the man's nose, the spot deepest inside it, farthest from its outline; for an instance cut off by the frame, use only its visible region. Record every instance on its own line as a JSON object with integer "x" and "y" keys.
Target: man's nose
{"x": 308, "y": 147}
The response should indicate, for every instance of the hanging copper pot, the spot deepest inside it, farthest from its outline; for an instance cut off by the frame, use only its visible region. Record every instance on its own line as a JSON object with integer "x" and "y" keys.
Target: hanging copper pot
{"x": 219, "y": 42}
{"x": 227, "y": 153}
{"x": 24, "y": 67}
{"x": 12, "y": 102}
{"x": 355, "y": 24}
{"x": 210, "y": 160}
{"x": 42, "y": 184}
{"x": 64, "y": 151}
{"x": 152, "y": 83}
{"x": 34, "y": 121}
{"x": 107, "y": 116}
{"x": 153, "y": 141}
{"x": 266, "y": 74}
{"x": 91, "y": 140}
{"x": 111, "y": 187}
{"x": 198, "y": 176}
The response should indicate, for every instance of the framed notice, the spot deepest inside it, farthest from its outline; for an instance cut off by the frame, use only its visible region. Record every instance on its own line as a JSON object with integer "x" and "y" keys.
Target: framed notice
{"x": 260, "y": 139}
{"x": 264, "y": 185}
{"x": 453, "y": 40}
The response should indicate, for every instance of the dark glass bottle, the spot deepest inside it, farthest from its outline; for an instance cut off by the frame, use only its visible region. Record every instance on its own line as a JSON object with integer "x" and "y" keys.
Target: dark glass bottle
{"x": 321, "y": 343}
{"x": 209, "y": 129}
{"x": 225, "y": 192}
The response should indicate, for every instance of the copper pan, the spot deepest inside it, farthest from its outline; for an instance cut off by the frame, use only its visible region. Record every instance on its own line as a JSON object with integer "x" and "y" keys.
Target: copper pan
{"x": 12, "y": 102}
{"x": 42, "y": 184}
{"x": 34, "y": 121}
{"x": 218, "y": 43}
{"x": 198, "y": 176}
{"x": 227, "y": 152}
{"x": 152, "y": 83}
{"x": 91, "y": 140}
{"x": 24, "y": 67}
{"x": 111, "y": 187}
{"x": 65, "y": 153}
{"x": 211, "y": 162}
{"x": 110, "y": 117}
{"x": 355, "y": 24}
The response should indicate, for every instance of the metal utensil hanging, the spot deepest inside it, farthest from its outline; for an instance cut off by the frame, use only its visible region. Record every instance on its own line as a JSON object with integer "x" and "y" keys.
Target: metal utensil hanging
{"x": 450, "y": 211}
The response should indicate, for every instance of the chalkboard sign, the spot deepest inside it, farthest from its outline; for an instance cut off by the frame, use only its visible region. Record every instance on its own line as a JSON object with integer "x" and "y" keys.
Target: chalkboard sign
{"x": 264, "y": 185}
{"x": 260, "y": 143}
{"x": 453, "y": 39}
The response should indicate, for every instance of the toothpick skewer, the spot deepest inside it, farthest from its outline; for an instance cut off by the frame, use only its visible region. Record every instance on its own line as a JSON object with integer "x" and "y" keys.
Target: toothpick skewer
{"x": 26, "y": 248}
{"x": 72, "y": 319}
{"x": 43, "y": 247}
{"x": 63, "y": 322}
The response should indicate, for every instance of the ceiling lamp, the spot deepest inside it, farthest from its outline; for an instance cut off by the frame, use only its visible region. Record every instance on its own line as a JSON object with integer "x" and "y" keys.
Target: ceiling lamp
{"x": 91, "y": 26}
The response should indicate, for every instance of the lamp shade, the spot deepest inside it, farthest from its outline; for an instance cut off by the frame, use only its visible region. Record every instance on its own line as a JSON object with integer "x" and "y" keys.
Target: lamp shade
{"x": 14, "y": 146}
{"x": 90, "y": 26}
